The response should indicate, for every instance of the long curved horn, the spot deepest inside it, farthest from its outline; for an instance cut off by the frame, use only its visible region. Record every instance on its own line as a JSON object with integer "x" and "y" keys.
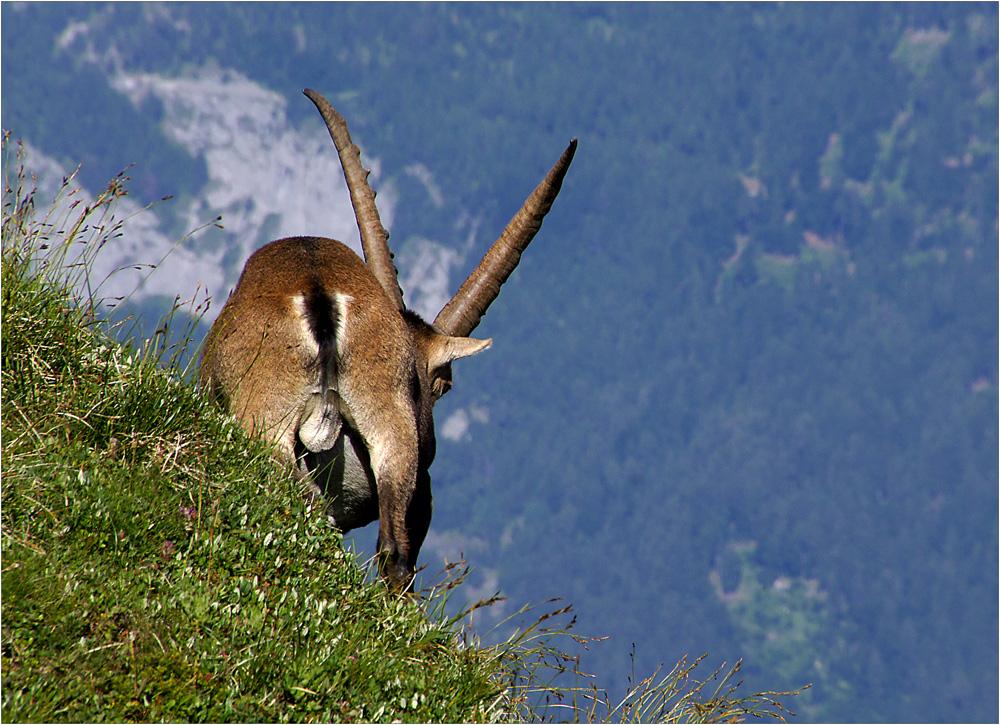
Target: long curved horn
{"x": 463, "y": 313}
{"x": 374, "y": 237}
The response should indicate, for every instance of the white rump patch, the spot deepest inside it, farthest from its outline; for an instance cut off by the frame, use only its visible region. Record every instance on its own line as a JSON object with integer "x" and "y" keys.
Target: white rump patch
{"x": 341, "y": 301}
{"x": 306, "y": 338}
{"x": 320, "y": 422}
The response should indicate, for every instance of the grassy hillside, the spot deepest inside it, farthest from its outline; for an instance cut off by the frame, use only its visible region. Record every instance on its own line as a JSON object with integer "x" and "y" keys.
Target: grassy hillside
{"x": 157, "y": 564}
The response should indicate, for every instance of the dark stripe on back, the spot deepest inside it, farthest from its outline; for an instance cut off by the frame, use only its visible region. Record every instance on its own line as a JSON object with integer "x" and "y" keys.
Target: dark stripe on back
{"x": 322, "y": 314}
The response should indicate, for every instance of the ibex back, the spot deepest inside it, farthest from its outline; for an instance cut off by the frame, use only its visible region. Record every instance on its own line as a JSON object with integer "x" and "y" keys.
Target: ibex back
{"x": 315, "y": 351}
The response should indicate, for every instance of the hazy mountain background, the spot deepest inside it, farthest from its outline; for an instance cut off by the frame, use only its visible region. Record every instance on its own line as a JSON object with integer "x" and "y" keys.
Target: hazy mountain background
{"x": 743, "y": 393}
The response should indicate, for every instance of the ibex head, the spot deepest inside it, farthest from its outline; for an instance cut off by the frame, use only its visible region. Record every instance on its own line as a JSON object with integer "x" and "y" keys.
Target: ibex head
{"x": 316, "y": 351}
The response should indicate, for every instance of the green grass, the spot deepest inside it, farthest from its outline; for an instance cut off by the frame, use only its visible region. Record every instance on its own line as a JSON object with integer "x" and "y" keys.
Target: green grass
{"x": 158, "y": 565}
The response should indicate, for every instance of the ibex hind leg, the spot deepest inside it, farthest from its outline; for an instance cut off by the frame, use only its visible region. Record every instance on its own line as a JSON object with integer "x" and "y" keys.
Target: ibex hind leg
{"x": 394, "y": 462}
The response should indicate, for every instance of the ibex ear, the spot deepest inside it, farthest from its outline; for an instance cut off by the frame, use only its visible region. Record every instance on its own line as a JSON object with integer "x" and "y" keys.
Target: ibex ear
{"x": 446, "y": 348}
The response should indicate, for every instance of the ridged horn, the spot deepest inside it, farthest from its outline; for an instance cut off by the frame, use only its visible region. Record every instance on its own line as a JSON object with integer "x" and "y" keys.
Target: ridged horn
{"x": 374, "y": 237}
{"x": 462, "y": 314}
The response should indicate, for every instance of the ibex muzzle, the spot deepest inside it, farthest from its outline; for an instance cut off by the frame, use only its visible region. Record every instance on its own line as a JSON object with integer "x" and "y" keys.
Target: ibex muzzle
{"x": 315, "y": 351}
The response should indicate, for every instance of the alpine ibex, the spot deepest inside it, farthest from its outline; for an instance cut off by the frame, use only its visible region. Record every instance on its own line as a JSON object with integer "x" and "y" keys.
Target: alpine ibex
{"x": 316, "y": 351}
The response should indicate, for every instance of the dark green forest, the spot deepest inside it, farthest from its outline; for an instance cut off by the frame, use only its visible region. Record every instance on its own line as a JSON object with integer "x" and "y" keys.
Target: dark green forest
{"x": 743, "y": 392}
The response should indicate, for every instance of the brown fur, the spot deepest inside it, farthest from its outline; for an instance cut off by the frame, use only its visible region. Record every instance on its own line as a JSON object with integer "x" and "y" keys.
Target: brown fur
{"x": 262, "y": 361}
